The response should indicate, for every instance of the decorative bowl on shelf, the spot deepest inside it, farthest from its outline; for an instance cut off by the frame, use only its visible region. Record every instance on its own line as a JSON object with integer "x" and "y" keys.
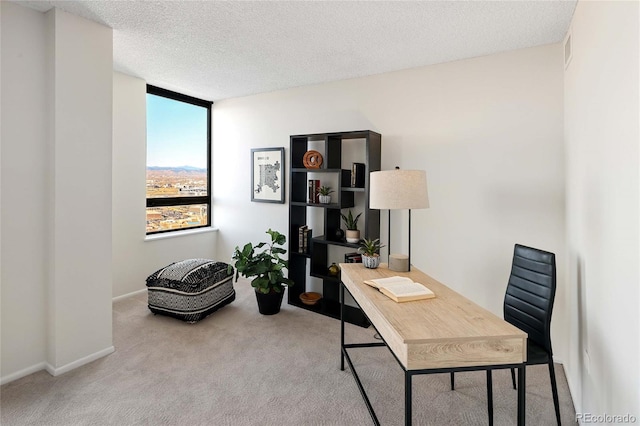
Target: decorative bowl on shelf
{"x": 310, "y": 298}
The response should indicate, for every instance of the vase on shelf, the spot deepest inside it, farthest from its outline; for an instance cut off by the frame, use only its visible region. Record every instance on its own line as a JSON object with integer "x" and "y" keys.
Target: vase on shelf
{"x": 334, "y": 270}
{"x": 353, "y": 235}
{"x": 324, "y": 199}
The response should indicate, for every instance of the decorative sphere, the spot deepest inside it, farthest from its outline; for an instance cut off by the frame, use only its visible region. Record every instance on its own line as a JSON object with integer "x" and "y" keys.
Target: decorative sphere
{"x": 334, "y": 270}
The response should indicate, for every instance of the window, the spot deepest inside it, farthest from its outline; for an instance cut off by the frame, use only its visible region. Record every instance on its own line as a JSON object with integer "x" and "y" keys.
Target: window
{"x": 178, "y": 161}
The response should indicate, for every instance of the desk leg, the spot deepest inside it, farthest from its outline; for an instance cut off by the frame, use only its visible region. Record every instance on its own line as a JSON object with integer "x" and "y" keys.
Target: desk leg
{"x": 341, "y": 326}
{"x": 522, "y": 386}
{"x": 407, "y": 398}
{"x": 490, "y": 397}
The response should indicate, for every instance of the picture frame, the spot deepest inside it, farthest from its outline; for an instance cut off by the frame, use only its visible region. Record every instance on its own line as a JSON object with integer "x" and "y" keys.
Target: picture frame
{"x": 267, "y": 175}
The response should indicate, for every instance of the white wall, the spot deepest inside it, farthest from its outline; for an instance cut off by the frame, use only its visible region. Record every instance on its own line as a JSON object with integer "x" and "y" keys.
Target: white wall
{"x": 602, "y": 136}
{"x": 23, "y": 191}
{"x": 134, "y": 257}
{"x": 129, "y": 147}
{"x": 56, "y": 194}
{"x": 80, "y": 211}
{"x": 488, "y": 131}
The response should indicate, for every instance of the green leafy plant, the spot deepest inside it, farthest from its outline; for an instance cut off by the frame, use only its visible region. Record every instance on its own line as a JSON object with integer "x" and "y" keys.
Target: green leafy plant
{"x": 325, "y": 190}
{"x": 349, "y": 221}
{"x": 370, "y": 248}
{"x": 265, "y": 265}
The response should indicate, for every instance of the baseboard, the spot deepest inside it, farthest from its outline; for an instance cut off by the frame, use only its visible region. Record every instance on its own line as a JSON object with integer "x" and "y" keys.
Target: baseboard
{"x": 22, "y": 373}
{"x": 126, "y": 296}
{"x": 557, "y": 360}
{"x": 78, "y": 363}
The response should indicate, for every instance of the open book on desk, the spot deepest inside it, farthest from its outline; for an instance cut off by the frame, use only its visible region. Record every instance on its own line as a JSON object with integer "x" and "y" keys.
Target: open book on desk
{"x": 401, "y": 289}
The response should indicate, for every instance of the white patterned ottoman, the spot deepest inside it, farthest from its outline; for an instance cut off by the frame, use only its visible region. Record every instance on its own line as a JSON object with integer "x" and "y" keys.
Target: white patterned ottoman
{"x": 190, "y": 289}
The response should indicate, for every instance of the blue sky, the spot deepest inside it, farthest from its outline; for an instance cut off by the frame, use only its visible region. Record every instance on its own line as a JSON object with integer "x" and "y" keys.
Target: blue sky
{"x": 176, "y": 133}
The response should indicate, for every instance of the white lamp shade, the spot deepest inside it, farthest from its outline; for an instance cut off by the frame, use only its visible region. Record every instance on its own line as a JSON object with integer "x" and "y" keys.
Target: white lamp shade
{"x": 398, "y": 189}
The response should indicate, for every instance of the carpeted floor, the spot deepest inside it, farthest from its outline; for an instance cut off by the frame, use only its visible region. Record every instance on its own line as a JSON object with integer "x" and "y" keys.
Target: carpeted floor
{"x": 237, "y": 367}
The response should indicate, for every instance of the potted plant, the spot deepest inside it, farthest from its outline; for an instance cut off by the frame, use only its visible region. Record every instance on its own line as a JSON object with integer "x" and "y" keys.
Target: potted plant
{"x": 265, "y": 264}
{"x": 353, "y": 234}
{"x": 370, "y": 251}
{"x": 325, "y": 197}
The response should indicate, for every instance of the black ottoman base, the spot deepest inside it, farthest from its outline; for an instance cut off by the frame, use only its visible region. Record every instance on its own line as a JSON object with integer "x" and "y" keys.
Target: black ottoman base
{"x": 193, "y": 316}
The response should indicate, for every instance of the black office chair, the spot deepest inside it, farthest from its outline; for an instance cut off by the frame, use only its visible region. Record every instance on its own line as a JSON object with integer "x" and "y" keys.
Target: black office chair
{"x": 528, "y": 304}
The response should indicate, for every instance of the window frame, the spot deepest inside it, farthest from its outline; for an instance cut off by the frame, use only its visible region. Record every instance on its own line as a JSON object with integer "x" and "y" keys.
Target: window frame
{"x": 192, "y": 200}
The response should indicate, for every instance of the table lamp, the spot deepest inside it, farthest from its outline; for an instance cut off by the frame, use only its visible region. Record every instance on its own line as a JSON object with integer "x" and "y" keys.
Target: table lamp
{"x": 394, "y": 190}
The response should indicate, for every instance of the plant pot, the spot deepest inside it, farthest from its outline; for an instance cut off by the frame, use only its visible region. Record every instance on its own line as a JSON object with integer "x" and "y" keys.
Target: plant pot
{"x": 269, "y": 304}
{"x": 324, "y": 199}
{"x": 371, "y": 262}
{"x": 353, "y": 235}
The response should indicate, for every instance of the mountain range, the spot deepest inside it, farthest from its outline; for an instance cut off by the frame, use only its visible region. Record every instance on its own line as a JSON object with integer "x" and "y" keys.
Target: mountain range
{"x": 178, "y": 168}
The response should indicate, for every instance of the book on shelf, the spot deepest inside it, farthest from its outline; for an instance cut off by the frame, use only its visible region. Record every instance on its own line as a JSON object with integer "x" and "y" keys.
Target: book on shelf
{"x": 307, "y": 240}
{"x": 354, "y": 257}
{"x": 313, "y": 194}
{"x": 357, "y": 175}
{"x": 301, "y": 238}
{"x": 304, "y": 239}
{"x": 401, "y": 289}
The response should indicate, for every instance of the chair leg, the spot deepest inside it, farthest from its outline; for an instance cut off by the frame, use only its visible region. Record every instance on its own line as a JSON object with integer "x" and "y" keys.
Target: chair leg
{"x": 513, "y": 377}
{"x": 554, "y": 390}
{"x": 490, "y": 397}
{"x": 453, "y": 381}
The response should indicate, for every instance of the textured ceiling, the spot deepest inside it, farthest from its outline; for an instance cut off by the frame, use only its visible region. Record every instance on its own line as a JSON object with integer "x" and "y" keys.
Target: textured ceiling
{"x": 222, "y": 49}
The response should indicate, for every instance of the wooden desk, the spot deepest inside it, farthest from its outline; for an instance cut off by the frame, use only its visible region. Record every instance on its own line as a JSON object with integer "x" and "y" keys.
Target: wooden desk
{"x": 446, "y": 334}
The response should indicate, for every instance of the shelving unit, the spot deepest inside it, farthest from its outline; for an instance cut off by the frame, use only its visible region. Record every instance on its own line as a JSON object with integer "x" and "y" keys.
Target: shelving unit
{"x": 332, "y": 147}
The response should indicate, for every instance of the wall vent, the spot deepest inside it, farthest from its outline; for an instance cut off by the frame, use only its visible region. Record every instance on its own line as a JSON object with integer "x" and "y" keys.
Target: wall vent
{"x": 568, "y": 53}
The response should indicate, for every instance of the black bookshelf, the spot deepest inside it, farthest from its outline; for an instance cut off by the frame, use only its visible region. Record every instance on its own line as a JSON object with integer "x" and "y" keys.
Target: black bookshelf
{"x": 344, "y": 197}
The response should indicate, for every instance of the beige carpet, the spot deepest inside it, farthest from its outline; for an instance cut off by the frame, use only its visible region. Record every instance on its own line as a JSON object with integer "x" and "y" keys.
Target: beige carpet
{"x": 237, "y": 367}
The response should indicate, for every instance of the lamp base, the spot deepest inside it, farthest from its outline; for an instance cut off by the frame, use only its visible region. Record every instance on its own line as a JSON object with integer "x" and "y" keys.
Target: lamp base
{"x": 399, "y": 262}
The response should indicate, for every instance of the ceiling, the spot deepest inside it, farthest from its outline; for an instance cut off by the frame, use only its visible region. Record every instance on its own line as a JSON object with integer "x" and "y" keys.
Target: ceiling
{"x": 222, "y": 49}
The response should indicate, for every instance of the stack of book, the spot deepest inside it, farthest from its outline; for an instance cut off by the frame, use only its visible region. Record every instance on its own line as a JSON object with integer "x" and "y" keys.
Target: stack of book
{"x": 304, "y": 239}
{"x": 354, "y": 257}
{"x": 314, "y": 191}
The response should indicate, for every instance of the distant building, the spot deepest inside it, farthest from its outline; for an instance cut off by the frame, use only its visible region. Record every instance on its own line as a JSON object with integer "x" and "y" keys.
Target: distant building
{"x": 191, "y": 190}
{"x": 154, "y": 215}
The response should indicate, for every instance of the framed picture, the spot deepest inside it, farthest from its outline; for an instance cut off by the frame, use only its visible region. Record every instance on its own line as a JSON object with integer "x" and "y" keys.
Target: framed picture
{"x": 267, "y": 175}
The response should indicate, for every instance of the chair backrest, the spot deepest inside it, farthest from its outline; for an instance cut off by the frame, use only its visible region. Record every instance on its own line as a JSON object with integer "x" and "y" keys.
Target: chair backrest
{"x": 528, "y": 302}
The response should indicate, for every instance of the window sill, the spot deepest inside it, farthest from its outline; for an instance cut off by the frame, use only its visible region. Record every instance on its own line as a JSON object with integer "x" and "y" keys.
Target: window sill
{"x": 176, "y": 234}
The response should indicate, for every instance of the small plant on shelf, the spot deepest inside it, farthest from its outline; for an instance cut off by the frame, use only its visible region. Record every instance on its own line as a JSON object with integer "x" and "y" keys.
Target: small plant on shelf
{"x": 325, "y": 194}
{"x": 325, "y": 190}
{"x": 349, "y": 221}
{"x": 370, "y": 251}
{"x": 353, "y": 234}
